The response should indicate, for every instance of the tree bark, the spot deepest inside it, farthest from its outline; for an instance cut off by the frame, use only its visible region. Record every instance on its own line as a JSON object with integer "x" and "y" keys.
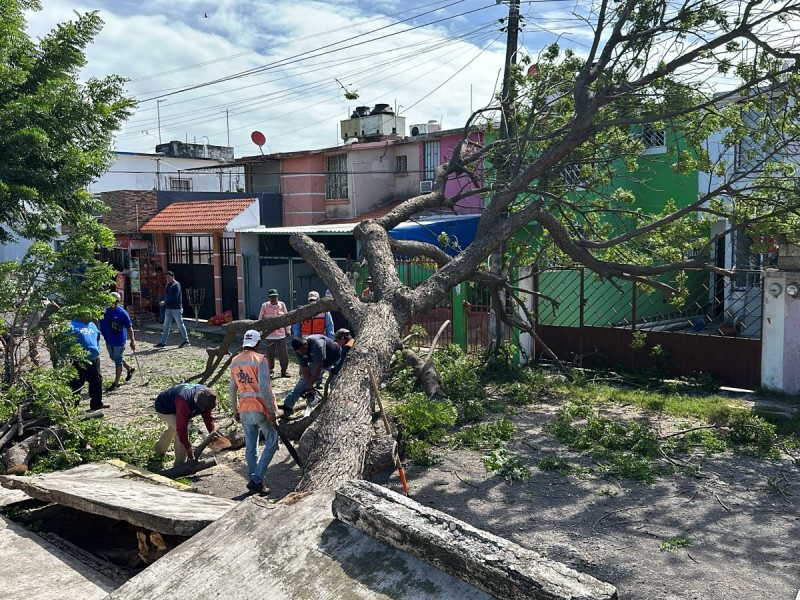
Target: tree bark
{"x": 18, "y": 457}
{"x": 190, "y": 467}
{"x": 335, "y": 446}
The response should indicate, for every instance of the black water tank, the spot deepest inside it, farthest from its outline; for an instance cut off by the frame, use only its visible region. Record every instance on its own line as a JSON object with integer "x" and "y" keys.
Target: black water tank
{"x": 360, "y": 111}
{"x": 382, "y": 109}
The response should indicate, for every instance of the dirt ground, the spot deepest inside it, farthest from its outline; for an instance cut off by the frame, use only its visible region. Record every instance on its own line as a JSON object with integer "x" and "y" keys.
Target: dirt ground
{"x": 741, "y": 516}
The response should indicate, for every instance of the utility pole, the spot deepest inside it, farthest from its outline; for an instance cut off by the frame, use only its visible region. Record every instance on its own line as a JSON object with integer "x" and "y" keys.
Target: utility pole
{"x": 503, "y": 174}
{"x": 228, "y": 127}
{"x": 158, "y": 111}
{"x": 508, "y": 95}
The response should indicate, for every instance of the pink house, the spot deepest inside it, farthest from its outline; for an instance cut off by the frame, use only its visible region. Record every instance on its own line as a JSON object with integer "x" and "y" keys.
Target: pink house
{"x": 375, "y": 166}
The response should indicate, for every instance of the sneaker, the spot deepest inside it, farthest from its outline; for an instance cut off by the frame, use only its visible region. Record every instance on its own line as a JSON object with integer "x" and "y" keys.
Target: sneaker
{"x": 131, "y": 371}
{"x": 284, "y": 374}
{"x": 255, "y": 487}
{"x": 112, "y": 387}
{"x": 185, "y": 343}
{"x": 160, "y": 345}
{"x": 102, "y": 406}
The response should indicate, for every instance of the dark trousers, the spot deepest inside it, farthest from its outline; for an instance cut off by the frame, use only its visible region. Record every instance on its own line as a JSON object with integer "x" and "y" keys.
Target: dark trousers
{"x": 283, "y": 354}
{"x": 89, "y": 372}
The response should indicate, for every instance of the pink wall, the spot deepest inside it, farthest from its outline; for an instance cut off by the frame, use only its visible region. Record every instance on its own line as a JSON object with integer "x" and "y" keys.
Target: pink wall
{"x": 447, "y": 144}
{"x": 303, "y": 189}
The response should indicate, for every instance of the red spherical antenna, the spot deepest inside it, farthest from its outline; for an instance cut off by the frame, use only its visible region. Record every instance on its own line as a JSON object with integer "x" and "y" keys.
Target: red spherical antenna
{"x": 259, "y": 139}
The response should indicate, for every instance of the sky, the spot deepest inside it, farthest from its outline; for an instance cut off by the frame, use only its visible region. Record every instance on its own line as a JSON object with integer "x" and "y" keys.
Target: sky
{"x": 213, "y": 71}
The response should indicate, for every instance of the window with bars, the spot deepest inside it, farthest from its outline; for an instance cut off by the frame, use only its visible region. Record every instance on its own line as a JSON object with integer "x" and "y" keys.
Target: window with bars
{"x": 653, "y": 137}
{"x": 228, "y": 252}
{"x": 401, "y": 164}
{"x": 178, "y": 184}
{"x": 336, "y": 177}
{"x": 430, "y": 160}
{"x": 189, "y": 249}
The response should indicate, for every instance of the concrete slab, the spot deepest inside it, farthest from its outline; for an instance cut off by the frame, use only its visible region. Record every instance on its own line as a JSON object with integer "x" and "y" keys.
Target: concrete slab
{"x": 104, "y": 489}
{"x": 11, "y": 497}
{"x": 291, "y": 550}
{"x": 31, "y": 568}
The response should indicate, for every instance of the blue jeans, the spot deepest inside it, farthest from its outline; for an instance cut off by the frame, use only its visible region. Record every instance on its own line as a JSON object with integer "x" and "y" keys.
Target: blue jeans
{"x": 174, "y": 314}
{"x": 291, "y": 398}
{"x": 254, "y": 421}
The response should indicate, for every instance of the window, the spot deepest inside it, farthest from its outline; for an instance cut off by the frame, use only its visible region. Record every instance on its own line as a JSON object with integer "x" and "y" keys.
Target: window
{"x": 748, "y": 156}
{"x": 653, "y": 137}
{"x": 431, "y": 160}
{"x": 401, "y": 164}
{"x": 336, "y": 177}
{"x": 747, "y": 262}
{"x": 228, "y": 252}
{"x": 189, "y": 249}
{"x": 177, "y": 184}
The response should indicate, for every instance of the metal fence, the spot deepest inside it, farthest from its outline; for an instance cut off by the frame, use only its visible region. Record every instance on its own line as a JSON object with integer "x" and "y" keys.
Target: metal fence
{"x": 711, "y": 304}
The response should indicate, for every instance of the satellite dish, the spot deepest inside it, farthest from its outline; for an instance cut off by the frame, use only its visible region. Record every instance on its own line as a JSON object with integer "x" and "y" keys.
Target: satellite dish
{"x": 259, "y": 139}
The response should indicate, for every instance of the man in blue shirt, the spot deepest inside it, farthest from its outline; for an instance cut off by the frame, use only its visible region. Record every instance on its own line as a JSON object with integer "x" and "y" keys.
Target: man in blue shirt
{"x": 314, "y": 353}
{"x": 117, "y": 328}
{"x": 87, "y": 366}
{"x": 173, "y": 311}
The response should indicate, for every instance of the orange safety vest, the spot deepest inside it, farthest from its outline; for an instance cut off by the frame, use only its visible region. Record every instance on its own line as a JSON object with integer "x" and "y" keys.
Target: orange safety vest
{"x": 244, "y": 369}
{"x": 315, "y": 324}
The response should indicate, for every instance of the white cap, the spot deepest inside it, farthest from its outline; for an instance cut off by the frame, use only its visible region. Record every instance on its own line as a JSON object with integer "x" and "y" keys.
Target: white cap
{"x": 312, "y": 295}
{"x": 116, "y": 296}
{"x": 251, "y": 338}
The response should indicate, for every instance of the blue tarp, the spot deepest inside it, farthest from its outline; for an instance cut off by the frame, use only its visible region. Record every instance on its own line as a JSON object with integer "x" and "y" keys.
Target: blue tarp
{"x": 459, "y": 229}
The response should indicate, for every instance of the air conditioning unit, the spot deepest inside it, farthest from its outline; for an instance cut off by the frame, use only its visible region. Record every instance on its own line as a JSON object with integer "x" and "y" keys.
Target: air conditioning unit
{"x": 425, "y": 187}
{"x": 425, "y": 128}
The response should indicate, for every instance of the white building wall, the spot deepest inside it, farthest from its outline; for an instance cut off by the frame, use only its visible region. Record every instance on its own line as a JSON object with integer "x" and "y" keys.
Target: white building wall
{"x": 139, "y": 171}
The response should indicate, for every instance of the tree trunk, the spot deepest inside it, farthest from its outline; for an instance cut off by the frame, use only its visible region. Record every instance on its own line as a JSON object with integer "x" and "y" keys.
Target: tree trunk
{"x": 336, "y": 444}
{"x": 19, "y": 455}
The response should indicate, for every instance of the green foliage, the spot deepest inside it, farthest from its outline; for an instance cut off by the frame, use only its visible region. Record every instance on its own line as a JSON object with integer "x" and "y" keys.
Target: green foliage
{"x": 752, "y": 435}
{"x": 554, "y": 463}
{"x": 56, "y": 130}
{"x": 47, "y": 288}
{"x": 425, "y": 419}
{"x": 459, "y": 375}
{"x": 674, "y": 544}
{"x": 506, "y": 466}
{"x": 484, "y": 435}
{"x": 95, "y": 440}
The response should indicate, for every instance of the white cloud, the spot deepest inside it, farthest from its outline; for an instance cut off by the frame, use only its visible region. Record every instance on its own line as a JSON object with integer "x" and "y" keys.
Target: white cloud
{"x": 302, "y": 48}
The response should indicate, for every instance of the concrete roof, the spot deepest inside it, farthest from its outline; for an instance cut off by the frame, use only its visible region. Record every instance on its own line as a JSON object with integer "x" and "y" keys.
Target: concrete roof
{"x": 103, "y": 489}
{"x": 33, "y": 568}
{"x": 293, "y": 549}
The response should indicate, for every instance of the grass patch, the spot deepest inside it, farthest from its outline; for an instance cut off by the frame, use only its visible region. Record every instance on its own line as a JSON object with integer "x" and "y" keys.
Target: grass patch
{"x": 484, "y": 435}
{"x": 674, "y": 544}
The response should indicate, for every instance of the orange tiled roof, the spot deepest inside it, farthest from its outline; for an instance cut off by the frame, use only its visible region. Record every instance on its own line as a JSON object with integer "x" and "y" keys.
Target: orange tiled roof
{"x": 195, "y": 217}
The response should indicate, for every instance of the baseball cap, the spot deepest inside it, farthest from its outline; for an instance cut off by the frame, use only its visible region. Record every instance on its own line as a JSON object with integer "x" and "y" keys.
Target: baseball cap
{"x": 272, "y": 292}
{"x": 251, "y": 338}
{"x": 312, "y": 295}
{"x": 340, "y": 333}
{"x": 116, "y": 296}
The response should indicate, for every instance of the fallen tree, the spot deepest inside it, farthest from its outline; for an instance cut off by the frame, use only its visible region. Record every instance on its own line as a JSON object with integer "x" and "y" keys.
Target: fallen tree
{"x": 646, "y": 66}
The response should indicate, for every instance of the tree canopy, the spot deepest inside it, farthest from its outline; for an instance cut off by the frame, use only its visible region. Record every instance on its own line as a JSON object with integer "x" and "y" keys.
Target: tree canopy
{"x": 55, "y": 131}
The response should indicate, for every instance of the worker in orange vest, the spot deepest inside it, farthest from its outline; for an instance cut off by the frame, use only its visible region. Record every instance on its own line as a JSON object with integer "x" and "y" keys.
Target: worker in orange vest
{"x": 253, "y": 404}
{"x": 321, "y": 323}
